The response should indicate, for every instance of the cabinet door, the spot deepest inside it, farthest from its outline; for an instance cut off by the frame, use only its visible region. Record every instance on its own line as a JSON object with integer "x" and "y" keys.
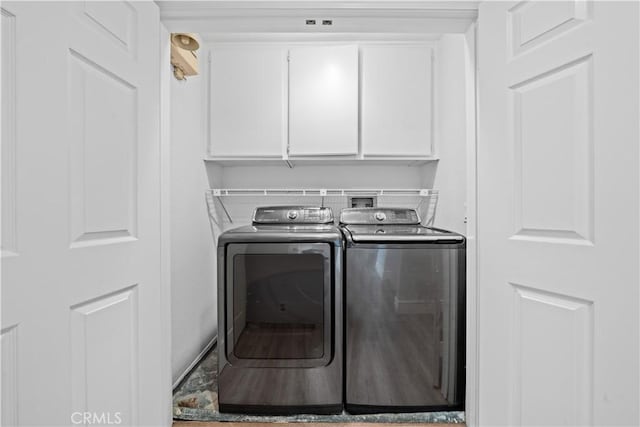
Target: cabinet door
{"x": 323, "y": 100}
{"x": 397, "y": 100}
{"x": 248, "y": 101}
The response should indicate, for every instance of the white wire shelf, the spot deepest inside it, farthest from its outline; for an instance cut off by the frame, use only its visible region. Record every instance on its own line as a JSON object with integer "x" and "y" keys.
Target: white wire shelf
{"x": 230, "y": 207}
{"x": 323, "y": 192}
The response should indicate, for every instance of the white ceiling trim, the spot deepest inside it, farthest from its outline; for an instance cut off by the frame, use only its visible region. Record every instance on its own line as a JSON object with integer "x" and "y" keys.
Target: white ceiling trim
{"x": 317, "y": 37}
{"x": 267, "y": 7}
{"x": 414, "y": 17}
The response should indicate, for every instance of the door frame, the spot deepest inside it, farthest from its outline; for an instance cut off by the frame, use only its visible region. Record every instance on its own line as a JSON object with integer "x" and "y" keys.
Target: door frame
{"x": 165, "y": 210}
{"x": 472, "y": 403}
{"x": 176, "y": 17}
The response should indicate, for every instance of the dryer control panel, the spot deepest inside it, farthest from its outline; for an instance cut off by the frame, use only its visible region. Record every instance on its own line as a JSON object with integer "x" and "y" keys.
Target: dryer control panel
{"x": 293, "y": 215}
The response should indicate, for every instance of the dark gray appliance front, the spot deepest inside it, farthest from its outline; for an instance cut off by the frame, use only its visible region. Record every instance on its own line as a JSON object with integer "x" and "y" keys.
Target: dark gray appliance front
{"x": 280, "y": 322}
{"x": 405, "y": 318}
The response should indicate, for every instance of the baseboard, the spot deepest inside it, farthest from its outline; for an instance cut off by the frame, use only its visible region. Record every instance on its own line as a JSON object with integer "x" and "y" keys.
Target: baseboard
{"x": 193, "y": 364}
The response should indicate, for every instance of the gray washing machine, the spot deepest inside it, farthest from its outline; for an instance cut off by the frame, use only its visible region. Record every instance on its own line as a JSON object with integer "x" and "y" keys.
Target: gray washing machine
{"x": 405, "y": 313}
{"x": 280, "y": 313}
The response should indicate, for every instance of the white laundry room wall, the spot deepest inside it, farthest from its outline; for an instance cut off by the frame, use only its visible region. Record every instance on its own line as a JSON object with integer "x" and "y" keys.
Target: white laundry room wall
{"x": 193, "y": 256}
{"x": 449, "y": 175}
{"x": 319, "y": 176}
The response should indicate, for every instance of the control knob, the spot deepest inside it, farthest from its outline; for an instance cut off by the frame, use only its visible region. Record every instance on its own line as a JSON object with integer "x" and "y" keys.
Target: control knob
{"x": 380, "y": 216}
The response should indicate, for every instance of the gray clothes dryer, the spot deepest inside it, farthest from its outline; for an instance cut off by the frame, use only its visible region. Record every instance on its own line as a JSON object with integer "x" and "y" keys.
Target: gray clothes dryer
{"x": 405, "y": 313}
{"x": 280, "y": 314}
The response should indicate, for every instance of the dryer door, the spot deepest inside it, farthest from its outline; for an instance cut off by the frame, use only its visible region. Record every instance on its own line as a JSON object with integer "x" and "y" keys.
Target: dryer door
{"x": 278, "y": 304}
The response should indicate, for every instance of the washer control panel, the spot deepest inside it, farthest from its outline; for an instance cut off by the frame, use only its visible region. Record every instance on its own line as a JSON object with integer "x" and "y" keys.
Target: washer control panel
{"x": 293, "y": 215}
{"x": 382, "y": 216}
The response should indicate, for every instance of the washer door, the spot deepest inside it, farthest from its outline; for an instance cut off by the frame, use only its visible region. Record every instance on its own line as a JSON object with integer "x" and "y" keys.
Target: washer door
{"x": 278, "y": 304}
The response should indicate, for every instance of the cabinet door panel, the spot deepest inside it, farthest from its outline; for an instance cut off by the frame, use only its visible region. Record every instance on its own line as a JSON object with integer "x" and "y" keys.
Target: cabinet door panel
{"x": 248, "y": 101}
{"x": 397, "y": 100}
{"x": 323, "y": 100}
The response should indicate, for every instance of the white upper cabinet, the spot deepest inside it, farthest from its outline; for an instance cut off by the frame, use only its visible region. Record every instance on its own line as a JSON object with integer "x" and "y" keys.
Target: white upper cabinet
{"x": 248, "y": 101}
{"x": 323, "y": 100}
{"x": 375, "y": 101}
{"x": 397, "y": 100}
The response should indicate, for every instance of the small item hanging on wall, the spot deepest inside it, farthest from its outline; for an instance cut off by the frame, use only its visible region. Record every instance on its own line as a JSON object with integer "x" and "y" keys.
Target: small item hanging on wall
{"x": 183, "y": 55}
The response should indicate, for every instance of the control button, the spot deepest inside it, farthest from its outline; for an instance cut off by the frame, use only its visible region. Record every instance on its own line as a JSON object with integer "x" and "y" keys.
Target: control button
{"x": 292, "y": 214}
{"x": 380, "y": 216}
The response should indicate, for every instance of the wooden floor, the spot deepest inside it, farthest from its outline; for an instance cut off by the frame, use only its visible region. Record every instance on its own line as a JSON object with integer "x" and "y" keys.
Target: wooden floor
{"x": 228, "y": 424}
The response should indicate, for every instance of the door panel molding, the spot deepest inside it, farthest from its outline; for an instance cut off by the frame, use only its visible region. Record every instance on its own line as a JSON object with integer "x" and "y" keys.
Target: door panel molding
{"x": 120, "y": 26}
{"x": 551, "y": 119}
{"x": 104, "y": 355}
{"x": 532, "y": 23}
{"x": 10, "y": 392}
{"x": 103, "y": 156}
{"x": 9, "y": 245}
{"x": 554, "y": 361}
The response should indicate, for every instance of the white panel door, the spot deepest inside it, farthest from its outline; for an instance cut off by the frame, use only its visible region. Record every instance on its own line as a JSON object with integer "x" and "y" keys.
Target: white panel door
{"x": 82, "y": 339}
{"x": 323, "y": 100}
{"x": 397, "y": 100}
{"x": 558, "y": 213}
{"x": 248, "y": 116}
